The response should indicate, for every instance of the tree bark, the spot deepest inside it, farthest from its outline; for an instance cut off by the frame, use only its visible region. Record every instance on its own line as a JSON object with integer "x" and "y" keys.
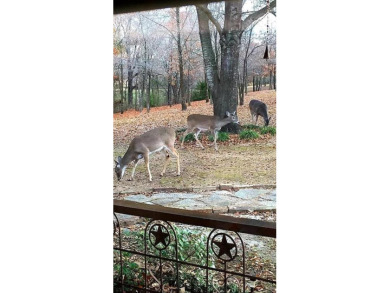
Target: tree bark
{"x": 130, "y": 87}
{"x": 158, "y": 91}
{"x": 210, "y": 65}
{"x": 148, "y": 94}
{"x": 188, "y": 86}
{"x": 121, "y": 86}
{"x": 180, "y": 53}
{"x": 274, "y": 76}
{"x": 169, "y": 92}
{"x": 259, "y": 86}
{"x": 141, "y": 98}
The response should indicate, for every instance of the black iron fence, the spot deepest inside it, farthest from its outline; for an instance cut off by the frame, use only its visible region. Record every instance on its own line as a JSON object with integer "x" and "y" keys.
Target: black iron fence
{"x": 159, "y": 255}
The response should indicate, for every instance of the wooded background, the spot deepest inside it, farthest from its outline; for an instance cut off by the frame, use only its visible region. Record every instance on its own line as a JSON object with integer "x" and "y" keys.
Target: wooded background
{"x": 177, "y": 55}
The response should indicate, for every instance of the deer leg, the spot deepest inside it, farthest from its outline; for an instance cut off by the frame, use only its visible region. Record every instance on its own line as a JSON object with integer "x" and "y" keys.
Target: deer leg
{"x": 146, "y": 157}
{"x": 257, "y": 117}
{"x": 184, "y": 136}
{"x": 215, "y": 139}
{"x": 176, "y": 154}
{"x": 197, "y": 140}
{"x": 165, "y": 164}
{"x": 133, "y": 172}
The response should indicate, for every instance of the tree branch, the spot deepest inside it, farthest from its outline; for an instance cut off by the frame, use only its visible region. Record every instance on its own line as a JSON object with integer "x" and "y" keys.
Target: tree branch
{"x": 161, "y": 26}
{"x": 256, "y": 15}
{"x": 254, "y": 48}
{"x": 210, "y": 16}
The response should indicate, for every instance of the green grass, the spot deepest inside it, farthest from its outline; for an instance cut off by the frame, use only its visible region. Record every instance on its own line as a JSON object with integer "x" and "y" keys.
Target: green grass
{"x": 268, "y": 129}
{"x": 222, "y": 136}
{"x": 260, "y": 129}
{"x": 251, "y": 126}
{"x": 248, "y": 134}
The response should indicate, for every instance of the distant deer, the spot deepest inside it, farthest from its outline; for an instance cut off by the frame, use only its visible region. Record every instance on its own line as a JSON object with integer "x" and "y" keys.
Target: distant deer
{"x": 197, "y": 123}
{"x": 259, "y": 108}
{"x": 141, "y": 147}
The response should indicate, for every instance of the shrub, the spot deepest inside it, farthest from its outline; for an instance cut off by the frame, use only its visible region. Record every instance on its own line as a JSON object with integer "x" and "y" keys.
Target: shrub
{"x": 248, "y": 134}
{"x": 200, "y": 91}
{"x": 251, "y": 126}
{"x": 189, "y": 137}
{"x": 268, "y": 129}
{"x": 222, "y": 136}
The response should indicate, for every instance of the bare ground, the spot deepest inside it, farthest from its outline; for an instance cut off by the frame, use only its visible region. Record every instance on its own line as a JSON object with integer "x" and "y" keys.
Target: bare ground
{"x": 236, "y": 162}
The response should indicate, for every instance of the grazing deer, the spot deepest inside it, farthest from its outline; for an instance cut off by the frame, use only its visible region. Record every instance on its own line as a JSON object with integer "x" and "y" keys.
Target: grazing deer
{"x": 197, "y": 123}
{"x": 259, "y": 108}
{"x": 141, "y": 147}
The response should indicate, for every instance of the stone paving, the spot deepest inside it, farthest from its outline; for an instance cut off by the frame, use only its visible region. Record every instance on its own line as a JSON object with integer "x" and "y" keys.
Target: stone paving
{"x": 217, "y": 201}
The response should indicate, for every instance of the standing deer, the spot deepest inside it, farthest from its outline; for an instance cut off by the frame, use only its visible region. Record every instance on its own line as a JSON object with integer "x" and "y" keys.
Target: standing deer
{"x": 155, "y": 140}
{"x": 197, "y": 123}
{"x": 259, "y": 108}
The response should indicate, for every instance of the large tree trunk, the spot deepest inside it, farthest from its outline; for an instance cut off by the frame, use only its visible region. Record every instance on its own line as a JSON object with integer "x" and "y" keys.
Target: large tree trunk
{"x": 210, "y": 65}
{"x": 207, "y": 89}
{"x": 225, "y": 97}
{"x": 230, "y": 52}
{"x": 224, "y": 88}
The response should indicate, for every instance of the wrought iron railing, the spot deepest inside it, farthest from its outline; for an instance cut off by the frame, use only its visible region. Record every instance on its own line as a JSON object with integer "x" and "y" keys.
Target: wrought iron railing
{"x": 157, "y": 259}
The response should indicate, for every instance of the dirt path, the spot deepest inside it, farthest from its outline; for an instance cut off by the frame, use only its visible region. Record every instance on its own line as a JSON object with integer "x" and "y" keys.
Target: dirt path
{"x": 237, "y": 162}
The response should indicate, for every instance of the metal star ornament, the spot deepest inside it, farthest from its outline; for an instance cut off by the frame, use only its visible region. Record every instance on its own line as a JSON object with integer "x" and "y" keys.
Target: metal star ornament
{"x": 160, "y": 236}
{"x": 224, "y": 247}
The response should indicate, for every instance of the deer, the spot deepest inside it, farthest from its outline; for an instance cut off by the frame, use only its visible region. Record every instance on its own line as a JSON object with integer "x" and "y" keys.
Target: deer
{"x": 142, "y": 146}
{"x": 197, "y": 123}
{"x": 259, "y": 108}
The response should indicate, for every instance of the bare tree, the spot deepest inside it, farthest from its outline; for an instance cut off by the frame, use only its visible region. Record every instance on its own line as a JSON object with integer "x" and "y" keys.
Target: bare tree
{"x": 180, "y": 55}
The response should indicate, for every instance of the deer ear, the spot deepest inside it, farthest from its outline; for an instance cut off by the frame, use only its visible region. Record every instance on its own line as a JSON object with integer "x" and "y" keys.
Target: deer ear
{"x": 119, "y": 159}
{"x": 116, "y": 162}
{"x": 227, "y": 113}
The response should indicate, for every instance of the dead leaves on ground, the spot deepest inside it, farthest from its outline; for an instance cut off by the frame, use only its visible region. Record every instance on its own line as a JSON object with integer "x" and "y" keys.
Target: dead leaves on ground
{"x": 132, "y": 123}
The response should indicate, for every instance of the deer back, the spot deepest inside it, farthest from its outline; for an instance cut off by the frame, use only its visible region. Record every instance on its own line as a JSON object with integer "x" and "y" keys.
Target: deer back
{"x": 199, "y": 121}
{"x": 258, "y": 108}
{"x": 151, "y": 141}
{"x": 205, "y": 122}
{"x": 155, "y": 139}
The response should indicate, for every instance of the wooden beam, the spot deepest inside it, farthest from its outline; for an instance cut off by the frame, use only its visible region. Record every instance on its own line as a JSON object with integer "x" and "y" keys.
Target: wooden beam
{"x": 126, "y": 6}
{"x": 196, "y": 218}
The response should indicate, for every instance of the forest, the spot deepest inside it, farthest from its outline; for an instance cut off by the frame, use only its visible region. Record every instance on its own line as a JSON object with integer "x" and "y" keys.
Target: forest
{"x": 184, "y": 54}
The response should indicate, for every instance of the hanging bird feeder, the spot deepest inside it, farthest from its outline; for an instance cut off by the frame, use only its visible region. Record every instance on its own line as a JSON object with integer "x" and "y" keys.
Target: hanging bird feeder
{"x": 266, "y": 54}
